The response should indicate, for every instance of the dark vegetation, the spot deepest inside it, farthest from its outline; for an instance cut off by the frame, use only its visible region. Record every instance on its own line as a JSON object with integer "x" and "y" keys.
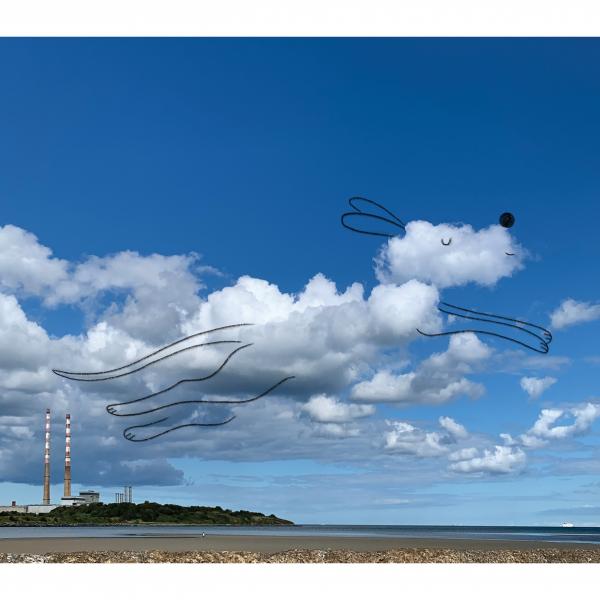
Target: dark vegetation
{"x": 148, "y": 513}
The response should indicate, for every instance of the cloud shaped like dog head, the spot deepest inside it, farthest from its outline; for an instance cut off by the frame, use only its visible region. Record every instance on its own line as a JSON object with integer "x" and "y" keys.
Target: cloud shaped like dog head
{"x": 448, "y": 255}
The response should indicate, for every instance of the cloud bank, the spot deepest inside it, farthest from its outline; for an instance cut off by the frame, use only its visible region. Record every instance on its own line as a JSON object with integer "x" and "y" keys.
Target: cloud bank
{"x": 336, "y": 343}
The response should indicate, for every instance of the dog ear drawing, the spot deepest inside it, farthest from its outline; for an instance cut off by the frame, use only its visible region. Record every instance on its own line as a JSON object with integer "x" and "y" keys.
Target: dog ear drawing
{"x": 364, "y": 219}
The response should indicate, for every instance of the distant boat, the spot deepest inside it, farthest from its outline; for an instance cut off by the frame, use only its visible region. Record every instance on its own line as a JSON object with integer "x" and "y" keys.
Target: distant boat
{"x": 568, "y": 525}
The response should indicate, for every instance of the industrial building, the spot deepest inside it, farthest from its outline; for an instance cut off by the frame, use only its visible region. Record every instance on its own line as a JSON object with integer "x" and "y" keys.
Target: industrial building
{"x": 84, "y": 497}
{"x": 125, "y": 496}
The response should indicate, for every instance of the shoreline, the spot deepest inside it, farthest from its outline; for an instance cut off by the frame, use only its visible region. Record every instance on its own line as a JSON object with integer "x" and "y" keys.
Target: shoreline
{"x": 269, "y": 544}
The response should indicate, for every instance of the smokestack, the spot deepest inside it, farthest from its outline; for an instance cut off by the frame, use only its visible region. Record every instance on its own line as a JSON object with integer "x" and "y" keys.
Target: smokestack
{"x": 47, "y": 460}
{"x": 67, "y": 489}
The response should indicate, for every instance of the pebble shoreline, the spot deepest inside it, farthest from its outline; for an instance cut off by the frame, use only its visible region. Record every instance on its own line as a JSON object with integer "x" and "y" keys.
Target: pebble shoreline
{"x": 409, "y": 555}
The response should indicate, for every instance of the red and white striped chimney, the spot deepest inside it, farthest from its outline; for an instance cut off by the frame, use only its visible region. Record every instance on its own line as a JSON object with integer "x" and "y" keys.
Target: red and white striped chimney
{"x": 47, "y": 460}
{"x": 67, "y": 488}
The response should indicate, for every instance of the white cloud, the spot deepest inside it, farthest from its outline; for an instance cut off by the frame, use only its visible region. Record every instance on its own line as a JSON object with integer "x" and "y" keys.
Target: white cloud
{"x": 456, "y": 430}
{"x": 23, "y": 343}
{"x": 397, "y": 311}
{"x": 463, "y": 454}
{"x": 508, "y": 439}
{"x": 437, "y": 379}
{"x": 464, "y": 350}
{"x": 335, "y": 430}
{"x": 501, "y": 460}
{"x": 158, "y": 291}
{"x": 405, "y": 438}
{"x": 472, "y": 257}
{"x": 545, "y": 428}
{"x": 510, "y": 458}
{"x": 328, "y": 339}
{"x": 410, "y": 388}
{"x": 535, "y": 386}
{"x": 328, "y": 409}
{"x": 26, "y": 266}
{"x": 571, "y": 312}
{"x": 324, "y": 337}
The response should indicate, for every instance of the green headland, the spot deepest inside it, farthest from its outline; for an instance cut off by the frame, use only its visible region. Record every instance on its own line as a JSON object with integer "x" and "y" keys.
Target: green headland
{"x": 147, "y": 513}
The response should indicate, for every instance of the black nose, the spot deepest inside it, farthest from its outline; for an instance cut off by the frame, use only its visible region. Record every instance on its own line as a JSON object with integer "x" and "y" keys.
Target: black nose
{"x": 507, "y": 220}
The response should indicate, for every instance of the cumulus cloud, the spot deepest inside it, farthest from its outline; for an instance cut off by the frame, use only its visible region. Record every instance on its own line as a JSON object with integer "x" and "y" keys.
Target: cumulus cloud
{"x": 24, "y": 344}
{"x": 326, "y": 338}
{"x": 330, "y": 340}
{"x": 157, "y": 292}
{"x": 404, "y": 438}
{"x": 508, "y": 439}
{"x": 500, "y": 460}
{"x": 535, "y": 386}
{"x": 511, "y": 456}
{"x": 437, "y": 379}
{"x": 335, "y": 430}
{"x": 456, "y": 430}
{"x": 26, "y": 266}
{"x": 471, "y": 257}
{"x": 546, "y": 429}
{"x": 572, "y": 312}
{"x": 323, "y": 337}
{"x": 463, "y": 454}
{"x": 328, "y": 409}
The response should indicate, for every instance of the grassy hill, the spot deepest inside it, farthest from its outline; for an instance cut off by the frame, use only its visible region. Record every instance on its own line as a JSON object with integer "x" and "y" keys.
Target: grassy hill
{"x": 137, "y": 514}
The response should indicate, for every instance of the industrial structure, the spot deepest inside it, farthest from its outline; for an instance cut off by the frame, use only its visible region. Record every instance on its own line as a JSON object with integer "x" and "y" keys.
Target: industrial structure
{"x": 125, "y": 496}
{"x": 67, "y": 485}
{"x": 46, "y": 499}
{"x": 84, "y": 497}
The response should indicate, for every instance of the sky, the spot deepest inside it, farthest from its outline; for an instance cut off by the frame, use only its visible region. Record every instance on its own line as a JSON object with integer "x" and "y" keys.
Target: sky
{"x": 155, "y": 188}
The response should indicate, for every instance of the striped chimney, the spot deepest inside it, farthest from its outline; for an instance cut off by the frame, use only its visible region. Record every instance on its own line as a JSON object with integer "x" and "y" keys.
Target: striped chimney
{"x": 47, "y": 460}
{"x": 67, "y": 489}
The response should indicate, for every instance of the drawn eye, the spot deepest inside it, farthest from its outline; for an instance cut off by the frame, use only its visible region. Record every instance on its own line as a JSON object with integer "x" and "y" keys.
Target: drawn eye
{"x": 446, "y": 243}
{"x": 507, "y": 220}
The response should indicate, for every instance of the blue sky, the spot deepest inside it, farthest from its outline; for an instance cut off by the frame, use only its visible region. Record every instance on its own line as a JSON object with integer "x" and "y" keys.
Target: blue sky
{"x": 245, "y": 152}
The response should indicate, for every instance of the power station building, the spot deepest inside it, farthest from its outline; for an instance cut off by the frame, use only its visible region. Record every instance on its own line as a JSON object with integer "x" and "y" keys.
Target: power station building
{"x": 84, "y": 497}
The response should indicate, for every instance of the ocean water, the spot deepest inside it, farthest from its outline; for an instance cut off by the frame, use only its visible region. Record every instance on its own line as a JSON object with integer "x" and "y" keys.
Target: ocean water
{"x": 590, "y": 535}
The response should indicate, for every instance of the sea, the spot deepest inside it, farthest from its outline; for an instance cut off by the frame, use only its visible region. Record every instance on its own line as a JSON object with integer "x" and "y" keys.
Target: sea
{"x": 589, "y": 535}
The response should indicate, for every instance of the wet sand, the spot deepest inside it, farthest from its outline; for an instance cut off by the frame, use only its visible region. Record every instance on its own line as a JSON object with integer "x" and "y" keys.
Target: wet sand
{"x": 273, "y": 544}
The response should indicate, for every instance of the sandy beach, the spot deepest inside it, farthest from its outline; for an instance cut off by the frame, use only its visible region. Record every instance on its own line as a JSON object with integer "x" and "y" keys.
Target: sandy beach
{"x": 247, "y": 548}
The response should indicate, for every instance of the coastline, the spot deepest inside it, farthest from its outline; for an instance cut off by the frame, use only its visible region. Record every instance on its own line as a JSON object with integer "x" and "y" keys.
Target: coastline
{"x": 248, "y": 548}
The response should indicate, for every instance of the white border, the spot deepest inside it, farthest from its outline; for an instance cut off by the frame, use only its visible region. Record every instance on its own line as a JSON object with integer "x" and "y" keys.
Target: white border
{"x": 302, "y": 582}
{"x": 299, "y": 17}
